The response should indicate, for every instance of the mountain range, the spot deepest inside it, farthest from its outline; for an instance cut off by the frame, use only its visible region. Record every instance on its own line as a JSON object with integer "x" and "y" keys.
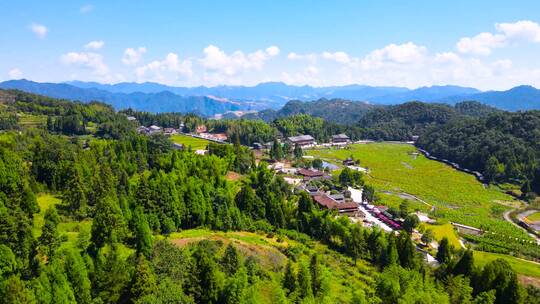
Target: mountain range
{"x": 209, "y": 101}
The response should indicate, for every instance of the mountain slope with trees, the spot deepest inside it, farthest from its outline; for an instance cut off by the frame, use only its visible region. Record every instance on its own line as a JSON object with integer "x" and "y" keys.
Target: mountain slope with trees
{"x": 123, "y": 197}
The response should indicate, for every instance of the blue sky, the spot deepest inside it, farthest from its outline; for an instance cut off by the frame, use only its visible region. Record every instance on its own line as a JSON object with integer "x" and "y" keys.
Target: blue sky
{"x": 484, "y": 44}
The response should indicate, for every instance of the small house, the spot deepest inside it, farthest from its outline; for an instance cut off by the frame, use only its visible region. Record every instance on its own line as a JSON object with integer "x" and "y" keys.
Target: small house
{"x": 340, "y": 139}
{"x": 200, "y": 129}
{"x": 169, "y": 131}
{"x": 154, "y": 129}
{"x": 310, "y": 174}
{"x": 302, "y": 140}
{"x": 349, "y": 162}
{"x": 142, "y": 130}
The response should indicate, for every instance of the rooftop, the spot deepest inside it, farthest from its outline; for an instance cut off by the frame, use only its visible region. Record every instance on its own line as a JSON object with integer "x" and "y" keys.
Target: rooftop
{"x": 301, "y": 138}
{"x": 340, "y": 136}
{"x": 310, "y": 173}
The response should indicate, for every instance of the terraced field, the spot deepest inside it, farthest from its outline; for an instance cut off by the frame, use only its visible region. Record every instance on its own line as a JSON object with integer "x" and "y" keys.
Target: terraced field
{"x": 454, "y": 195}
{"x": 522, "y": 267}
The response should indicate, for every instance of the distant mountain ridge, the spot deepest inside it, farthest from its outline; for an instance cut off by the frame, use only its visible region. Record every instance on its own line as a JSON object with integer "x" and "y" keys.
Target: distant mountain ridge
{"x": 335, "y": 110}
{"x": 209, "y": 101}
{"x": 278, "y": 93}
{"x": 162, "y": 101}
{"x": 518, "y": 98}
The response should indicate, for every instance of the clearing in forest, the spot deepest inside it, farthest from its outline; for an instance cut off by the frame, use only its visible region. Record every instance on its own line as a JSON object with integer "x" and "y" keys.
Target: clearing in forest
{"x": 189, "y": 141}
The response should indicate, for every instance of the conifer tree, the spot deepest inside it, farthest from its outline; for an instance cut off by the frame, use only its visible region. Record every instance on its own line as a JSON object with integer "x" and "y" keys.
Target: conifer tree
{"x": 50, "y": 238}
{"x": 143, "y": 234}
{"x": 444, "y": 252}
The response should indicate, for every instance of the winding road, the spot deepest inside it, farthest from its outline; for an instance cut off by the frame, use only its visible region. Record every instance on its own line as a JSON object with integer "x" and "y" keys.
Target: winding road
{"x": 506, "y": 216}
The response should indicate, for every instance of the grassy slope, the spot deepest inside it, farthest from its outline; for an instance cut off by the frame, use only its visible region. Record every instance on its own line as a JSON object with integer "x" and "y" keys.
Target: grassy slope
{"x": 195, "y": 143}
{"x": 457, "y": 196}
{"x": 342, "y": 275}
{"x": 522, "y": 267}
{"x": 440, "y": 231}
{"x": 68, "y": 228}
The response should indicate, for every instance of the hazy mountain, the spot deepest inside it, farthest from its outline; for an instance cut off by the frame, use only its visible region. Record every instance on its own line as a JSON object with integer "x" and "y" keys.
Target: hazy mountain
{"x": 156, "y": 97}
{"x": 276, "y": 94}
{"x": 334, "y": 110}
{"x": 163, "y": 101}
{"x": 518, "y": 98}
{"x": 426, "y": 94}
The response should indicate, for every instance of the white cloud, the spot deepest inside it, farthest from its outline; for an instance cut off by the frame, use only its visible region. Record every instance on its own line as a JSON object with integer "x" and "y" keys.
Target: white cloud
{"x": 170, "y": 68}
{"x": 392, "y": 55}
{"x": 133, "y": 56}
{"x": 307, "y": 76}
{"x": 15, "y": 73}
{"x": 523, "y": 30}
{"x": 340, "y": 57}
{"x": 39, "y": 30}
{"x": 86, "y": 8}
{"x": 216, "y": 60}
{"x": 480, "y": 44}
{"x": 483, "y": 43}
{"x": 86, "y": 60}
{"x": 309, "y": 57}
{"x": 94, "y": 45}
{"x": 447, "y": 58}
{"x": 272, "y": 50}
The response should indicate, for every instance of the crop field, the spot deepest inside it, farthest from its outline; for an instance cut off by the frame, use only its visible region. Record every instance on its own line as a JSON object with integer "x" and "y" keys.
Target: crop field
{"x": 454, "y": 195}
{"x": 189, "y": 141}
{"x": 522, "y": 267}
{"x": 444, "y": 230}
{"x": 535, "y": 217}
{"x": 28, "y": 120}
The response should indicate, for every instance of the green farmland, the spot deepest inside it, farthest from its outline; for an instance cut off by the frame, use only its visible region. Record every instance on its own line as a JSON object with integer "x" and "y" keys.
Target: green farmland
{"x": 189, "y": 141}
{"x": 454, "y": 195}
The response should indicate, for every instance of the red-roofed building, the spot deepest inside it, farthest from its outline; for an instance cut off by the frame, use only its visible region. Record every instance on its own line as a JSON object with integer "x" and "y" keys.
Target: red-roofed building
{"x": 311, "y": 174}
{"x": 326, "y": 202}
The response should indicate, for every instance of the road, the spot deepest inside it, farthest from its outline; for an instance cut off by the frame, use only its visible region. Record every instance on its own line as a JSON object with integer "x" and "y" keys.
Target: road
{"x": 506, "y": 216}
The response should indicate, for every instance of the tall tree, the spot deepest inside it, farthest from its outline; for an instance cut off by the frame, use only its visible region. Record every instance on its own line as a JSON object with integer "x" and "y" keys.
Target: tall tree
{"x": 316, "y": 275}
{"x": 144, "y": 280}
{"x": 231, "y": 260}
{"x": 50, "y": 238}
{"x": 108, "y": 225}
{"x": 444, "y": 252}
{"x": 143, "y": 234}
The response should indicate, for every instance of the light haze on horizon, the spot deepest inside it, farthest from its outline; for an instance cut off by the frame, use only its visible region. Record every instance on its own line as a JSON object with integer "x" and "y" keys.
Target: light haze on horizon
{"x": 482, "y": 44}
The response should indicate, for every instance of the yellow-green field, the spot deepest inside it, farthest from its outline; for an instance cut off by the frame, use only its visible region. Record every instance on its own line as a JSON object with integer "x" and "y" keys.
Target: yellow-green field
{"x": 28, "y": 120}
{"x": 45, "y": 201}
{"x": 457, "y": 196}
{"x": 535, "y": 217}
{"x": 67, "y": 227}
{"x": 444, "y": 230}
{"x": 187, "y": 141}
{"x": 523, "y": 267}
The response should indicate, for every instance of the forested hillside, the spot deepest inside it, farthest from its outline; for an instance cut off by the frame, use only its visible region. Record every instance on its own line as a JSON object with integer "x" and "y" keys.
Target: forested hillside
{"x": 335, "y": 110}
{"x": 92, "y": 212}
{"x": 504, "y": 146}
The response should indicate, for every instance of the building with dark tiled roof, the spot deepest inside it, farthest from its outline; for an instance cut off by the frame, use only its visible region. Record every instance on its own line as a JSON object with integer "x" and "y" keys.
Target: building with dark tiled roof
{"x": 302, "y": 140}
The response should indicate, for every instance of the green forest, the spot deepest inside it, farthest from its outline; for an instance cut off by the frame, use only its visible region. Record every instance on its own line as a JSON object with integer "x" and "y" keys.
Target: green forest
{"x": 123, "y": 197}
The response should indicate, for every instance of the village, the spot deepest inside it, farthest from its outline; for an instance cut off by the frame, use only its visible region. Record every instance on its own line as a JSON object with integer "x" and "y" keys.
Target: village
{"x": 315, "y": 177}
